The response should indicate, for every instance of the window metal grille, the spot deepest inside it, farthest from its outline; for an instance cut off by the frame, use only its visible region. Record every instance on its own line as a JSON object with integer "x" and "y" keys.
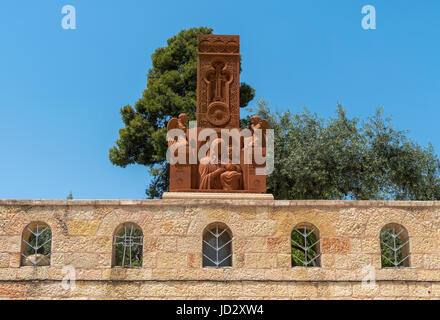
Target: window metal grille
{"x": 305, "y": 246}
{"x": 394, "y": 247}
{"x": 217, "y": 246}
{"x": 127, "y": 246}
{"x": 36, "y": 245}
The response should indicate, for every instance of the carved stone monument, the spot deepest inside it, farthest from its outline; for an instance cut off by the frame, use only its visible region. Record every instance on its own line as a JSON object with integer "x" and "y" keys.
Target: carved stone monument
{"x": 218, "y": 109}
{"x": 218, "y": 81}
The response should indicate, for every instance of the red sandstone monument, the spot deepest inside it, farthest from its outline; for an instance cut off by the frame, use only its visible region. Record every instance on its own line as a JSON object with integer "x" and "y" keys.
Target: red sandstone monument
{"x": 218, "y": 108}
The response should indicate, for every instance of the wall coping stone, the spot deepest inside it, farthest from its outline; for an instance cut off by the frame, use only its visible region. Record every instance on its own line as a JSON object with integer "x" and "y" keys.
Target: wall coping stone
{"x": 219, "y": 196}
{"x": 231, "y": 202}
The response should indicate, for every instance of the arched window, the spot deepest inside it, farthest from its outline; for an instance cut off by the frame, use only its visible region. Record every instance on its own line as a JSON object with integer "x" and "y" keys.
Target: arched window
{"x": 305, "y": 246}
{"x": 127, "y": 246}
{"x": 36, "y": 244}
{"x": 394, "y": 246}
{"x": 217, "y": 246}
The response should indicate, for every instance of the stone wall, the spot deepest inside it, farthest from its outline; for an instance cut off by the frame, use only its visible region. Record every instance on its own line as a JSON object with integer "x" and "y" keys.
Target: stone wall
{"x": 172, "y": 259}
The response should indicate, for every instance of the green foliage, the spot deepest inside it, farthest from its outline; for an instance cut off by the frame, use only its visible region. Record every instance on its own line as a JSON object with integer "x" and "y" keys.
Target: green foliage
{"x": 128, "y": 248}
{"x": 299, "y": 242}
{"x": 247, "y": 93}
{"x": 171, "y": 90}
{"x": 42, "y": 242}
{"x": 343, "y": 158}
{"x": 70, "y": 196}
{"x": 387, "y": 254}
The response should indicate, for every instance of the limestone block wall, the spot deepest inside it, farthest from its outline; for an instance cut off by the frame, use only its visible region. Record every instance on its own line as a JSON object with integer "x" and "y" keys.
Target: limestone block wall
{"x": 82, "y": 232}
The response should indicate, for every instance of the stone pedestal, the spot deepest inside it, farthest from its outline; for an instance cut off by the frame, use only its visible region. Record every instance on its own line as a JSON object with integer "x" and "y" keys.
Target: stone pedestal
{"x": 217, "y": 195}
{"x": 179, "y": 177}
{"x": 255, "y": 183}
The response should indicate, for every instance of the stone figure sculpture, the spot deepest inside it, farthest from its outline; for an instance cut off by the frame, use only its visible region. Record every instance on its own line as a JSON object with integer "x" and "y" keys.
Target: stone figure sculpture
{"x": 258, "y": 139}
{"x": 215, "y": 174}
{"x": 179, "y": 123}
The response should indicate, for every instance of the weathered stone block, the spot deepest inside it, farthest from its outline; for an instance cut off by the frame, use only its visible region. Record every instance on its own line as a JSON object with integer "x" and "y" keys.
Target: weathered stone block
{"x": 349, "y": 228}
{"x": 260, "y": 260}
{"x": 242, "y": 245}
{"x": 351, "y": 261}
{"x": 194, "y": 260}
{"x": 394, "y": 289}
{"x": 300, "y": 289}
{"x": 431, "y": 261}
{"x": 248, "y": 213}
{"x": 420, "y": 289}
{"x": 284, "y": 260}
{"x": 82, "y": 260}
{"x": 171, "y": 260}
{"x": 174, "y": 227}
{"x": 90, "y": 289}
{"x": 327, "y": 260}
{"x": 268, "y": 289}
{"x": 10, "y": 243}
{"x": 160, "y": 289}
{"x": 229, "y": 289}
{"x": 160, "y": 243}
{"x": 335, "y": 289}
{"x": 238, "y": 260}
{"x": 31, "y": 273}
{"x": 260, "y": 228}
{"x": 368, "y": 291}
{"x": 189, "y": 244}
{"x": 335, "y": 245}
{"x": 12, "y": 289}
{"x": 82, "y": 227}
{"x": 423, "y": 245}
{"x": 371, "y": 245}
{"x": 8, "y": 273}
{"x": 123, "y": 289}
{"x": 217, "y": 213}
{"x": 278, "y": 244}
{"x": 4, "y": 260}
{"x": 14, "y": 259}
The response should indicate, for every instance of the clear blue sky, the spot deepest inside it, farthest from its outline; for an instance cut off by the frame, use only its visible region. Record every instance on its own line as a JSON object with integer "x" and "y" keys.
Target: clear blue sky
{"x": 61, "y": 90}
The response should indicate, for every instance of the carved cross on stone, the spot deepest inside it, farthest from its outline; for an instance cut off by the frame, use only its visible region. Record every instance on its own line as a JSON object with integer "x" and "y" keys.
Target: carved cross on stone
{"x": 218, "y": 79}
